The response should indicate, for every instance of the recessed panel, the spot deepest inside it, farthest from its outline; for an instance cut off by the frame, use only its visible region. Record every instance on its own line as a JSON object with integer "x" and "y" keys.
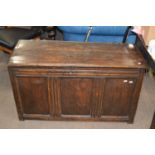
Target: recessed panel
{"x": 34, "y": 95}
{"x": 117, "y": 96}
{"x": 76, "y": 96}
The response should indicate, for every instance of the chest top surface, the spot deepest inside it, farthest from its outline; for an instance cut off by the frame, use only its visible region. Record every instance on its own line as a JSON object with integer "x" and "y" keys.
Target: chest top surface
{"x": 75, "y": 54}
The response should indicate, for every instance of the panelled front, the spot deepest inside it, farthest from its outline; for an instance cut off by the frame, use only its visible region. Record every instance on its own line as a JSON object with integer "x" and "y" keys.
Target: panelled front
{"x": 51, "y": 94}
{"x": 96, "y": 97}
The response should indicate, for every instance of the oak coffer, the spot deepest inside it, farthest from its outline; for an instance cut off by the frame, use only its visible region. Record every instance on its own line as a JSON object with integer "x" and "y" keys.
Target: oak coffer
{"x": 56, "y": 80}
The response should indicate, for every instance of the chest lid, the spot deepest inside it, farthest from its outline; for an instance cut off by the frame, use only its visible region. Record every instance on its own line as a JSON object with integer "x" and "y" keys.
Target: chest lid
{"x": 43, "y": 53}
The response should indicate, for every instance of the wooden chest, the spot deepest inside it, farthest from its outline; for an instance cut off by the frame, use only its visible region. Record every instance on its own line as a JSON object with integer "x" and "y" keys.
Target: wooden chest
{"x": 54, "y": 80}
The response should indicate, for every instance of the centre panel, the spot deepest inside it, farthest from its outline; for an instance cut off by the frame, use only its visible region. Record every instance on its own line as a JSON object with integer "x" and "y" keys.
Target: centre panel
{"x": 76, "y": 96}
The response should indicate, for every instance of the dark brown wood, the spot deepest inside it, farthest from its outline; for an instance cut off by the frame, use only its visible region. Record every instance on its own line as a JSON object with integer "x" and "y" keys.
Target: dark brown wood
{"x": 135, "y": 96}
{"x": 117, "y": 95}
{"x": 54, "y": 80}
{"x": 68, "y": 54}
{"x": 16, "y": 94}
{"x": 30, "y": 87}
{"x": 153, "y": 122}
{"x": 76, "y": 96}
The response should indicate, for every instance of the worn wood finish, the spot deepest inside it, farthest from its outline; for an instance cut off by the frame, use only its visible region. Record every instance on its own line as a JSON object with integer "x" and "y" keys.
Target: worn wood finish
{"x": 30, "y": 87}
{"x": 76, "y": 81}
{"x": 117, "y": 95}
{"x": 69, "y": 54}
{"x": 76, "y": 96}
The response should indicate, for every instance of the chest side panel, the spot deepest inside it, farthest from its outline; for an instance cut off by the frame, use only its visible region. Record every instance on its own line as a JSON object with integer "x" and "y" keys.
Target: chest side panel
{"x": 117, "y": 96}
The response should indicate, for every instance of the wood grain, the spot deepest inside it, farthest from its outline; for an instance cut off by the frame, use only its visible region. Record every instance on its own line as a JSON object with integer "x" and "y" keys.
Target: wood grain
{"x": 54, "y": 80}
{"x": 74, "y": 54}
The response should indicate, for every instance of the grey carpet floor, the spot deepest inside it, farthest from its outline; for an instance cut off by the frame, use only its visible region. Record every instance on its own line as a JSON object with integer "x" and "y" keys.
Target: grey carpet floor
{"x": 9, "y": 119}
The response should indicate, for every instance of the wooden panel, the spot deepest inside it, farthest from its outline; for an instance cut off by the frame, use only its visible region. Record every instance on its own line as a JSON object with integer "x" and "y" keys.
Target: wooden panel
{"x": 117, "y": 96}
{"x": 76, "y": 96}
{"x": 76, "y": 72}
{"x": 135, "y": 96}
{"x": 56, "y": 98}
{"x": 97, "y": 96}
{"x": 34, "y": 95}
{"x": 75, "y": 54}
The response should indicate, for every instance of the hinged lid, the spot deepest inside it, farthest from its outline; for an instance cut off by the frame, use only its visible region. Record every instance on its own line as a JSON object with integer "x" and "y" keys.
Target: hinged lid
{"x": 45, "y": 53}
